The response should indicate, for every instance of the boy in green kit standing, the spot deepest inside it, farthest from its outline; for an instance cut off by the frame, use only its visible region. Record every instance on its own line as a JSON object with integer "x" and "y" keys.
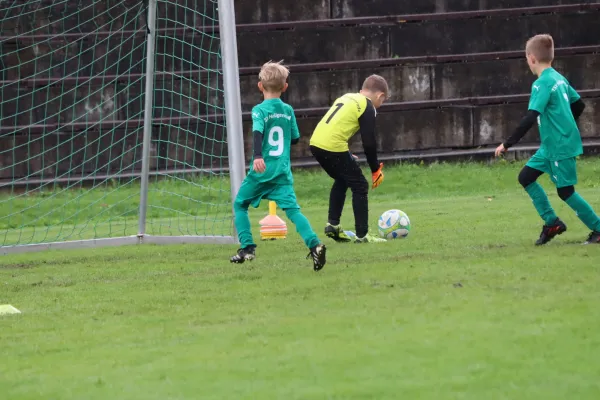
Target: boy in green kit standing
{"x": 274, "y": 130}
{"x": 556, "y": 106}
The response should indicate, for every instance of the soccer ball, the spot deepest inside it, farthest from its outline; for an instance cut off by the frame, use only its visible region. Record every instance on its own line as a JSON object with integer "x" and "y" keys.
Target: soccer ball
{"x": 393, "y": 224}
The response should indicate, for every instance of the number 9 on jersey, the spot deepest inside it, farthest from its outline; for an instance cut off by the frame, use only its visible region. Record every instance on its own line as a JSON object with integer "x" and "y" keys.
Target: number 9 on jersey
{"x": 275, "y": 139}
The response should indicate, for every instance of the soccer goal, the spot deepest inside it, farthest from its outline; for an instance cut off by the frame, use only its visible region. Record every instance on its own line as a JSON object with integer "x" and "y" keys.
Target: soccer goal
{"x": 120, "y": 123}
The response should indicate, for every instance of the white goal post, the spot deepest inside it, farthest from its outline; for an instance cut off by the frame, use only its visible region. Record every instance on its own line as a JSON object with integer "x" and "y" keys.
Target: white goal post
{"x": 120, "y": 124}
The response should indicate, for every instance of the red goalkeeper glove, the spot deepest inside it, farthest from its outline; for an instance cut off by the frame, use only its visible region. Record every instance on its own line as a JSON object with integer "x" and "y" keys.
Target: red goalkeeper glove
{"x": 378, "y": 177}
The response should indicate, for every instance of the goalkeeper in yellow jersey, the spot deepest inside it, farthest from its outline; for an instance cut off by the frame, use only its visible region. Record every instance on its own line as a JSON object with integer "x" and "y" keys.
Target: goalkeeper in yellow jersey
{"x": 329, "y": 145}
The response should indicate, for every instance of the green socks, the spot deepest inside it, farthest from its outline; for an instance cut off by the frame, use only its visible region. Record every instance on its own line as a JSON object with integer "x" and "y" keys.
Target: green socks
{"x": 541, "y": 203}
{"x": 242, "y": 225}
{"x": 303, "y": 227}
{"x": 584, "y": 211}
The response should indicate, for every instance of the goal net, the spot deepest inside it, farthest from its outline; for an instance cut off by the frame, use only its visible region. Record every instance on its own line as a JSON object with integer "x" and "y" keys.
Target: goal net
{"x": 112, "y": 123}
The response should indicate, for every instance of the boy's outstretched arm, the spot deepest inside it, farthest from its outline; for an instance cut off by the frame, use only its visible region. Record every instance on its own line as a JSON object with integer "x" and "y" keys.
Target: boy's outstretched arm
{"x": 524, "y": 126}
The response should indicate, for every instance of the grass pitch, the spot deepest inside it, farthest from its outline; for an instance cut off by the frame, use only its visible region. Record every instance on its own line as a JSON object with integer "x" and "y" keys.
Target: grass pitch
{"x": 464, "y": 308}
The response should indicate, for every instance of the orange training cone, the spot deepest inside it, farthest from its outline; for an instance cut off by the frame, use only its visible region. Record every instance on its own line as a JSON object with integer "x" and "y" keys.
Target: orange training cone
{"x": 272, "y": 227}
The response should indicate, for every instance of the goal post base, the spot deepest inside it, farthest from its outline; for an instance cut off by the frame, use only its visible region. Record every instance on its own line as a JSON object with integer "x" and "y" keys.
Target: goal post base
{"x": 117, "y": 241}
{"x": 149, "y": 239}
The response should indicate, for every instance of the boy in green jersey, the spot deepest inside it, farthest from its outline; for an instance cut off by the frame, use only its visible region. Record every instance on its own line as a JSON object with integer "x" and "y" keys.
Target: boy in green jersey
{"x": 556, "y": 106}
{"x": 275, "y": 130}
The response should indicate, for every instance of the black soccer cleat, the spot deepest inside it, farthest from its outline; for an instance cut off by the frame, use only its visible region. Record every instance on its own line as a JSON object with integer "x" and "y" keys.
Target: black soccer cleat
{"x": 318, "y": 256}
{"x": 247, "y": 254}
{"x": 550, "y": 232}
{"x": 336, "y": 233}
{"x": 594, "y": 238}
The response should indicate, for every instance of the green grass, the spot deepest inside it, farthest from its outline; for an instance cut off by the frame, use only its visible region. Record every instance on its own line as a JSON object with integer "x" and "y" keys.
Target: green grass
{"x": 200, "y": 206}
{"x": 464, "y": 308}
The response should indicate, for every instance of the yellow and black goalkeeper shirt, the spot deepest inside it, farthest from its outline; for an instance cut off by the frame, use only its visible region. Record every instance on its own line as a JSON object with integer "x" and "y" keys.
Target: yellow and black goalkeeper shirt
{"x": 349, "y": 114}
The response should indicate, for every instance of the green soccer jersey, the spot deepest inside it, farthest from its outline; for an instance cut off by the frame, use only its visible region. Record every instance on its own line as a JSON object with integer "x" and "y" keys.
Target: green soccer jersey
{"x": 552, "y": 96}
{"x": 277, "y": 122}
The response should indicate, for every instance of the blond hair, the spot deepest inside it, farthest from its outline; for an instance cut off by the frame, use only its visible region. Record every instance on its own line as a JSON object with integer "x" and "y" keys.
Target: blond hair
{"x": 273, "y": 76}
{"x": 376, "y": 83}
{"x": 541, "y": 47}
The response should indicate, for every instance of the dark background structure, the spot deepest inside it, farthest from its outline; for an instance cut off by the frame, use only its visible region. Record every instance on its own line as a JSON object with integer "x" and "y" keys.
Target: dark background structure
{"x": 456, "y": 69}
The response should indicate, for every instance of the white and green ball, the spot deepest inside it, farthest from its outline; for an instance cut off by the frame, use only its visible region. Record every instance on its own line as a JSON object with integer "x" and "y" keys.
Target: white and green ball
{"x": 393, "y": 224}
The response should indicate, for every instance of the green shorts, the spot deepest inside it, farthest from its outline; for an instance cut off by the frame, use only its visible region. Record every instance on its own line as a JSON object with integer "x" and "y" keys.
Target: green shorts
{"x": 251, "y": 193}
{"x": 563, "y": 173}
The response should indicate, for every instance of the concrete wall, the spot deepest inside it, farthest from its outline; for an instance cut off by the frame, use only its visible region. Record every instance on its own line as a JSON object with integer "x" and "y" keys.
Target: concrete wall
{"x": 415, "y": 39}
{"x": 202, "y": 145}
{"x": 351, "y": 8}
{"x": 175, "y": 98}
{"x": 418, "y": 82}
{"x": 448, "y": 128}
{"x": 35, "y": 93}
{"x": 99, "y": 53}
